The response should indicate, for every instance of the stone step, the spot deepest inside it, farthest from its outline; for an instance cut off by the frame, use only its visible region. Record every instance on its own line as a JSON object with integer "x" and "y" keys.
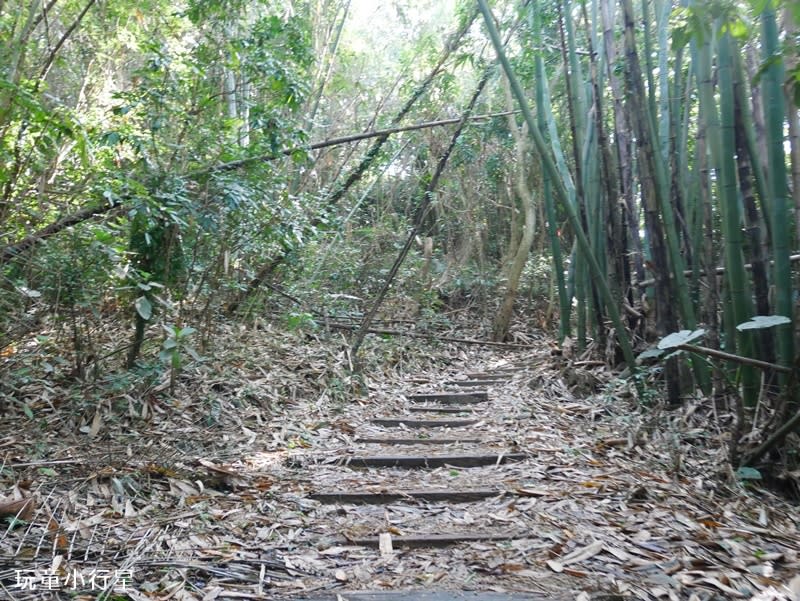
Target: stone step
{"x": 410, "y": 422}
{"x": 476, "y": 396}
{"x": 383, "y": 497}
{"x": 429, "y": 461}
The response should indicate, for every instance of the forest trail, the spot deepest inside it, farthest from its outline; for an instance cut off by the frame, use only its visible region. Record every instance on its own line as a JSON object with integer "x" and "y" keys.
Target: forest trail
{"x": 467, "y": 471}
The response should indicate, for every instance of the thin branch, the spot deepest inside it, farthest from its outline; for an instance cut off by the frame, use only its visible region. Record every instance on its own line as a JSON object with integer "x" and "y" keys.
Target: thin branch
{"x": 719, "y": 271}
{"x": 52, "y": 57}
{"x": 774, "y": 440}
{"x": 42, "y": 14}
{"x": 13, "y": 250}
{"x": 703, "y": 350}
{"x": 422, "y": 212}
{"x": 341, "y": 140}
{"x": 510, "y": 345}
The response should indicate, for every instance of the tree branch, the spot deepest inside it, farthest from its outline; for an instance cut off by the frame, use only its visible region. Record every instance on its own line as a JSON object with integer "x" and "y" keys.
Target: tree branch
{"x": 13, "y": 250}
{"x": 719, "y": 271}
{"x": 341, "y": 140}
{"x": 345, "y": 326}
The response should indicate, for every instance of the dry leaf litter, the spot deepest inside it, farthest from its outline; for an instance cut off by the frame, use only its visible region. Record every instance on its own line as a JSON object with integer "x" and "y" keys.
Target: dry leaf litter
{"x": 204, "y": 494}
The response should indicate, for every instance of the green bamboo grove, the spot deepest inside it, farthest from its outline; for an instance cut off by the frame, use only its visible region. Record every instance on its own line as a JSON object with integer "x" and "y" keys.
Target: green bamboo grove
{"x": 675, "y": 186}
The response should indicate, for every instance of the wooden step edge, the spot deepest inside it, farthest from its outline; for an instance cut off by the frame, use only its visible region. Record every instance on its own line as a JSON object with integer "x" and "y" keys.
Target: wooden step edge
{"x": 435, "y": 540}
{"x": 475, "y": 396}
{"x": 488, "y": 375}
{"x": 430, "y": 461}
{"x": 442, "y": 408}
{"x": 412, "y": 422}
{"x": 440, "y": 595}
{"x": 382, "y": 497}
{"x": 425, "y": 441}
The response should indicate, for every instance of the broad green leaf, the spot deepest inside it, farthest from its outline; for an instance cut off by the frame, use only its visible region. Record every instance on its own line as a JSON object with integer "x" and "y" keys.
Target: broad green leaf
{"x": 143, "y": 307}
{"x": 748, "y": 473}
{"x": 759, "y": 322}
{"x": 737, "y": 29}
{"x": 47, "y": 471}
{"x": 679, "y": 338}
{"x": 111, "y": 138}
{"x": 651, "y": 353}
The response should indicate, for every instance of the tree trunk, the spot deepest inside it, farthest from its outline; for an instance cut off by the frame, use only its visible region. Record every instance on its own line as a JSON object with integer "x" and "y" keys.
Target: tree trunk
{"x": 524, "y": 233}
{"x": 504, "y": 315}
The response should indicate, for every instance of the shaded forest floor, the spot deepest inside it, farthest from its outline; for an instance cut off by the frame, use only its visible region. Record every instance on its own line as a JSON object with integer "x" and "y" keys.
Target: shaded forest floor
{"x": 204, "y": 493}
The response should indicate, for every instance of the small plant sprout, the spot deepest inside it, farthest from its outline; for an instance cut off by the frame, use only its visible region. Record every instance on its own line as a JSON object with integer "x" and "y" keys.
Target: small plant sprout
{"x": 173, "y": 349}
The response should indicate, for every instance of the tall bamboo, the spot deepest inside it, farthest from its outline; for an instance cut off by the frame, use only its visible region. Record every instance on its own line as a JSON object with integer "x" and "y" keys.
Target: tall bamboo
{"x": 753, "y": 220}
{"x": 645, "y": 121}
{"x": 561, "y": 190}
{"x": 610, "y": 221}
{"x": 623, "y": 144}
{"x": 774, "y": 117}
{"x": 736, "y": 277}
{"x": 576, "y": 111}
{"x": 652, "y": 184}
{"x": 547, "y": 191}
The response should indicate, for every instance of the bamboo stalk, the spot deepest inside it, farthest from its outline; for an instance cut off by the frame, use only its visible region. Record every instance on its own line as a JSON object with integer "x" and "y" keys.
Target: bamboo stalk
{"x": 422, "y": 211}
{"x": 704, "y": 350}
{"x": 658, "y": 214}
{"x": 774, "y": 115}
{"x": 552, "y": 227}
{"x": 731, "y": 214}
{"x": 561, "y": 190}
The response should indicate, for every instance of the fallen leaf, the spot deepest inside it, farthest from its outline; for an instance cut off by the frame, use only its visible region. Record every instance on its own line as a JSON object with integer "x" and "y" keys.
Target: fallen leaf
{"x": 21, "y": 509}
